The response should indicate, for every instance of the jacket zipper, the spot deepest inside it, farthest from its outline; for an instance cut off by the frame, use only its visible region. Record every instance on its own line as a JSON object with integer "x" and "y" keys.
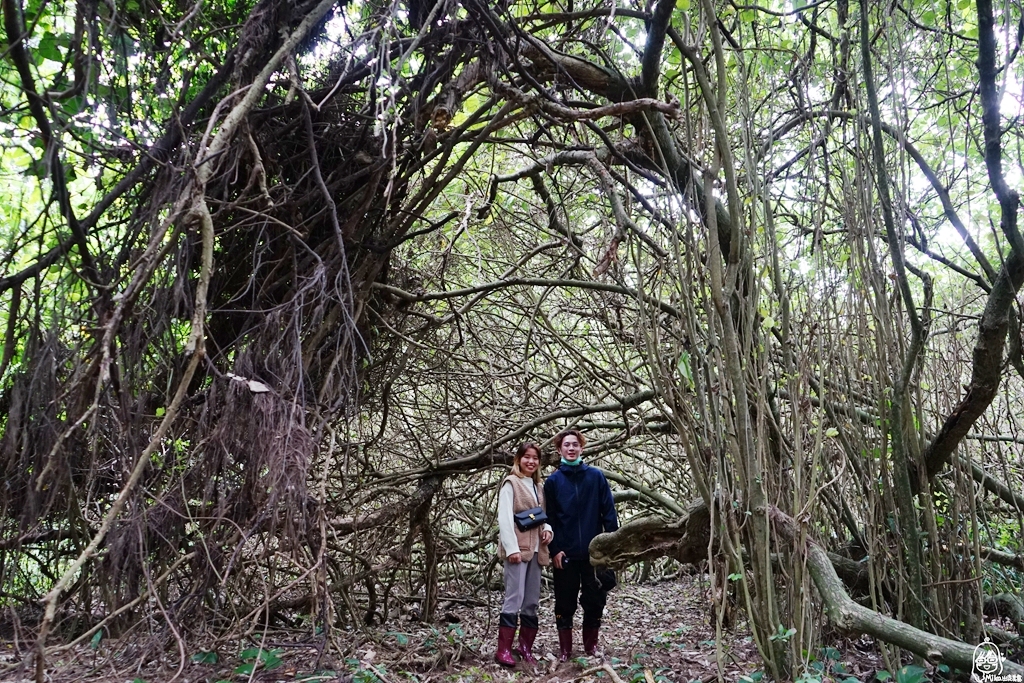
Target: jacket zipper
{"x": 579, "y": 528}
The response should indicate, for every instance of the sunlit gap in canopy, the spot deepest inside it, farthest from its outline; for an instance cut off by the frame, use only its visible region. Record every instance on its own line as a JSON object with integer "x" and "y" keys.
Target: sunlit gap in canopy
{"x": 341, "y": 36}
{"x": 972, "y": 210}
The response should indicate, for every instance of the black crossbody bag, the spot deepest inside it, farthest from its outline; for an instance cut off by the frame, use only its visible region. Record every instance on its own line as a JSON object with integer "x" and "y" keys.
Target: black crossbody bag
{"x": 532, "y": 518}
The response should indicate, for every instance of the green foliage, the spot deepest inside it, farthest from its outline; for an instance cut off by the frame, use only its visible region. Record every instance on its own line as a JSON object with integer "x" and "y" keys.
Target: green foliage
{"x": 473, "y": 674}
{"x": 365, "y": 673}
{"x": 911, "y": 673}
{"x": 205, "y": 657}
{"x": 453, "y": 634}
{"x": 401, "y": 638}
{"x": 637, "y": 673}
{"x": 828, "y": 666}
{"x": 684, "y": 368}
{"x": 782, "y": 634}
{"x": 258, "y": 658}
{"x": 669, "y": 639}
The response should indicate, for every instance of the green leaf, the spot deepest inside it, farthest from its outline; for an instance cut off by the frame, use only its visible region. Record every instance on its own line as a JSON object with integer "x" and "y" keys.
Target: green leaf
{"x": 256, "y": 655}
{"x": 401, "y": 638}
{"x": 48, "y": 48}
{"x": 682, "y": 5}
{"x": 782, "y": 633}
{"x": 832, "y": 433}
{"x": 684, "y": 367}
{"x": 94, "y": 643}
{"x": 911, "y": 673}
{"x": 882, "y": 675}
{"x": 72, "y": 105}
{"x": 205, "y": 658}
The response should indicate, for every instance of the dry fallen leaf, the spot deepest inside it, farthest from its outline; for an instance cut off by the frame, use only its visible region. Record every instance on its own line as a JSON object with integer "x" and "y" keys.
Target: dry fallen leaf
{"x": 255, "y": 386}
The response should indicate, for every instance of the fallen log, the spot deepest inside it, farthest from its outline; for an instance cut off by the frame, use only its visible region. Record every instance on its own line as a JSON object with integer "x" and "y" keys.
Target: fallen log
{"x": 686, "y": 540}
{"x": 856, "y": 619}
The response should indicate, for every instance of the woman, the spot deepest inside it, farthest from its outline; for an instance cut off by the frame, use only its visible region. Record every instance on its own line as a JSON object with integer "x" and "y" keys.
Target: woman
{"x": 523, "y": 553}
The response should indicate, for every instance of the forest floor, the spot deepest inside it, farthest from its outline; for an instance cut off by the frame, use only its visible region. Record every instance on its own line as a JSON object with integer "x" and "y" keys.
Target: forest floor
{"x": 653, "y": 633}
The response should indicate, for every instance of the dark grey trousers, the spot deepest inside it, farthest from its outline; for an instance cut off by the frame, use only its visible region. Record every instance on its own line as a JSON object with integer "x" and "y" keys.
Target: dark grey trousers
{"x": 522, "y": 591}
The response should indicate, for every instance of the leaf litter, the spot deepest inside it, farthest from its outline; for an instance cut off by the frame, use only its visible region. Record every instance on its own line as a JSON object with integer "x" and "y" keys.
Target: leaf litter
{"x": 655, "y": 632}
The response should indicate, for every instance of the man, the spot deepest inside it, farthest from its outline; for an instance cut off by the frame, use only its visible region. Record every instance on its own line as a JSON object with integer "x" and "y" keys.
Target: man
{"x": 579, "y": 507}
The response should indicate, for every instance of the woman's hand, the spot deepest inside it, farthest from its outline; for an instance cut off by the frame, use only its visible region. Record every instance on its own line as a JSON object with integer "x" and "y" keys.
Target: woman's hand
{"x": 558, "y": 560}
{"x": 515, "y": 558}
{"x": 546, "y": 536}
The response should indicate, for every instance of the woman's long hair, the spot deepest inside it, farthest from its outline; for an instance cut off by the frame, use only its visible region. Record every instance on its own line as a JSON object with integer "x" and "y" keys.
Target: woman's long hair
{"x": 520, "y": 452}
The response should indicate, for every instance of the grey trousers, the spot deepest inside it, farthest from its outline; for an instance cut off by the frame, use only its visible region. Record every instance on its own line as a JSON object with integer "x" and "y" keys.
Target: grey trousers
{"x": 522, "y": 589}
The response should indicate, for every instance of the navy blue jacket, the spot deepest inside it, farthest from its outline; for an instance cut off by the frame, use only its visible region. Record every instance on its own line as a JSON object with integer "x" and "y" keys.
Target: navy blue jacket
{"x": 579, "y": 507}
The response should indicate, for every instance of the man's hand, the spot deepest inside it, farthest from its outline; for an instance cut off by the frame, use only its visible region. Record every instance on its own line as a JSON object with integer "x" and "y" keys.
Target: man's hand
{"x": 546, "y": 536}
{"x": 515, "y": 558}
{"x": 559, "y": 558}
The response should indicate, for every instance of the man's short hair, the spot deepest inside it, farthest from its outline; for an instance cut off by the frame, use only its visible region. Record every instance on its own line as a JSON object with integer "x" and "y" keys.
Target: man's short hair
{"x": 562, "y": 434}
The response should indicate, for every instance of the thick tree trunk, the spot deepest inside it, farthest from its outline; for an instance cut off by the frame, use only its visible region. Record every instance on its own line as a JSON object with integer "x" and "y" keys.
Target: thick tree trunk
{"x": 685, "y": 539}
